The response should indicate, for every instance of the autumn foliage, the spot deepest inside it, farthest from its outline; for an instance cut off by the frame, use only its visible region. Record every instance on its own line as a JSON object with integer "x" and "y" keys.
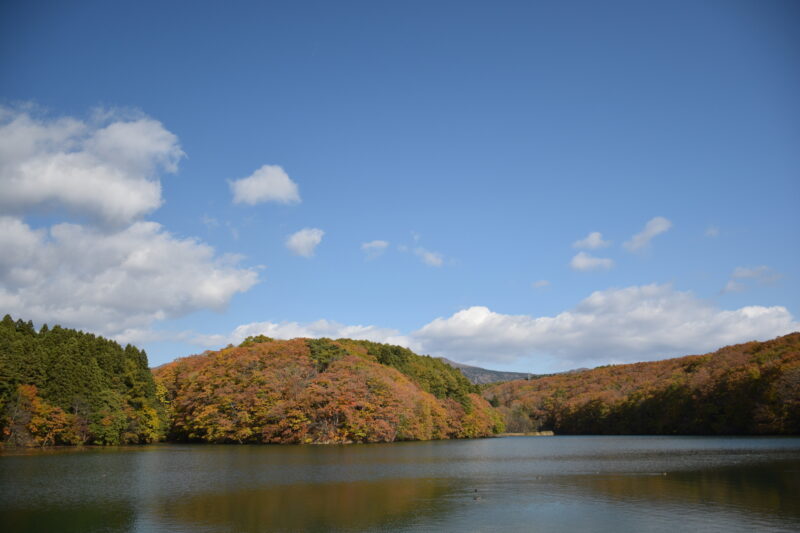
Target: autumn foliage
{"x": 320, "y": 391}
{"x": 751, "y": 388}
{"x": 61, "y": 386}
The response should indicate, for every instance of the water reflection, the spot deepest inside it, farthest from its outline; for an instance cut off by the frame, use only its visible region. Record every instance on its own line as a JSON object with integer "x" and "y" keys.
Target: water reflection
{"x": 515, "y": 484}
{"x": 770, "y": 489}
{"x": 308, "y": 507}
{"x": 69, "y": 519}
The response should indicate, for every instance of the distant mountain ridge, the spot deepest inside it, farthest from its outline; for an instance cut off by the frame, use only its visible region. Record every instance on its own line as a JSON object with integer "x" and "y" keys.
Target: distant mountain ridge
{"x": 483, "y": 376}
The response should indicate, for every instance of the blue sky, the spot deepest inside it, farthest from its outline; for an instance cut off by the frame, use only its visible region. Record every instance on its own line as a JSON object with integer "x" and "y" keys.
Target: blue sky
{"x": 477, "y": 142}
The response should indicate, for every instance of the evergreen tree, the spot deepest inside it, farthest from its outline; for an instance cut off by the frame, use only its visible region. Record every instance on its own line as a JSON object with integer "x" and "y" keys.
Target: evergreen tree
{"x": 62, "y": 386}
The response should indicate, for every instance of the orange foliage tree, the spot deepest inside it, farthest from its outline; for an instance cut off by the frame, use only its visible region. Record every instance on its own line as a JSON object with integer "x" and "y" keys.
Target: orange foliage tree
{"x": 33, "y": 421}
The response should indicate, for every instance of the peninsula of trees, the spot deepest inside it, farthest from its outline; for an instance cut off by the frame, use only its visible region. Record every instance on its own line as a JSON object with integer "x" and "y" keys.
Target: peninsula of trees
{"x": 746, "y": 389}
{"x": 320, "y": 391}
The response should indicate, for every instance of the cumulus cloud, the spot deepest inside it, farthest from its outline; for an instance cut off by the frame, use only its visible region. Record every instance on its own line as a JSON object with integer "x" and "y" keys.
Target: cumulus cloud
{"x": 111, "y": 282}
{"x": 584, "y": 262}
{"x": 592, "y": 241}
{"x": 270, "y": 183}
{"x": 434, "y": 259}
{"x": 291, "y": 330}
{"x": 305, "y": 241}
{"x": 374, "y": 248}
{"x": 106, "y": 168}
{"x": 616, "y": 325}
{"x": 655, "y": 226}
{"x": 112, "y": 272}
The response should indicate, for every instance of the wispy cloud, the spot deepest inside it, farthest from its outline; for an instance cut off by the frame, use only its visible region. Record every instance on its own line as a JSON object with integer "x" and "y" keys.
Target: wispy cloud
{"x": 375, "y": 248}
{"x": 655, "y": 226}
{"x": 742, "y": 277}
{"x": 585, "y": 262}
{"x": 542, "y": 283}
{"x": 428, "y": 257}
{"x": 592, "y": 241}
{"x": 210, "y": 222}
{"x": 434, "y": 259}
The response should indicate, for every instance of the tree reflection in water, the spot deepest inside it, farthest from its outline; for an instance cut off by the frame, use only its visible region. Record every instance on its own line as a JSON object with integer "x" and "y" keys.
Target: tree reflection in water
{"x": 308, "y": 506}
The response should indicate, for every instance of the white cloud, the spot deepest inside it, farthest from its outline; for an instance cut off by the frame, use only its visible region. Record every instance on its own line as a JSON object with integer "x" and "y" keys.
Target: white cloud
{"x": 592, "y": 241}
{"x": 110, "y": 282}
{"x": 655, "y": 226}
{"x": 429, "y": 257}
{"x": 630, "y": 324}
{"x": 305, "y": 241}
{"x": 733, "y": 286}
{"x": 291, "y": 330}
{"x": 712, "y": 231}
{"x": 112, "y": 273}
{"x": 139, "y": 336}
{"x": 540, "y": 284}
{"x": 374, "y": 248}
{"x": 434, "y": 259}
{"x": 106, "y": 168}
{"x": 761, "y": 275}
{"x": 583, "y": 262}
{"x": 270, "y": 183}
{"x": 616, "y": 325}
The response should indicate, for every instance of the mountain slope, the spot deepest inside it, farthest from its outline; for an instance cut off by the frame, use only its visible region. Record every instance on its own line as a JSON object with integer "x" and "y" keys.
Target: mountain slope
{"x": 483, "y": 376}
{"x": 751, "y": 388}
{"x": 320, "y": 391}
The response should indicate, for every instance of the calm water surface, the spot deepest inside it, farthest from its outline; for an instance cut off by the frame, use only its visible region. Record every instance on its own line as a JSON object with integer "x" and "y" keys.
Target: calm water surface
{"x": 545, "y": 484}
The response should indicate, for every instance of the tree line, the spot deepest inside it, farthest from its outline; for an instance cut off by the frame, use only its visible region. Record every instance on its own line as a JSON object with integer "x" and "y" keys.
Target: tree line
{"x": 62, "y": 386}
{"x": 745, "y": 389}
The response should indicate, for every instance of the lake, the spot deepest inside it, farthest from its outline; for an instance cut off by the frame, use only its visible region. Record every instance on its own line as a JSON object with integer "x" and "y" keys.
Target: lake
{"x": 546, "y": 484}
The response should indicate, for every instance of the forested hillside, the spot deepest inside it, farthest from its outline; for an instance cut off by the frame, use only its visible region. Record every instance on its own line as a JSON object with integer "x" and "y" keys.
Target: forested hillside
{"x": 62, "y": 386}
{"x": 751, "y": 388}
{"x": 320, "y": 391}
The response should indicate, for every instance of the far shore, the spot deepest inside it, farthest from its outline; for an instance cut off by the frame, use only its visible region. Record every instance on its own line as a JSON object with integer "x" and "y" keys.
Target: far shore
{"x": 529, "y": 434}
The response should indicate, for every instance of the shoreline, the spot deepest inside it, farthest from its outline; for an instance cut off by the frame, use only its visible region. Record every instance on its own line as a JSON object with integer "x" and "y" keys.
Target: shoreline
{"x": 528, "y": 434}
